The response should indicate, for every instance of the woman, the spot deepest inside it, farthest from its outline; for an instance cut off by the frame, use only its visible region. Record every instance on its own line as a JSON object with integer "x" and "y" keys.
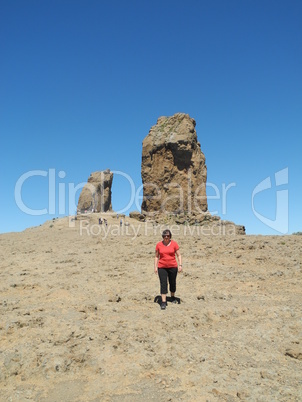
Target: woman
{"x": 165, "y": 265}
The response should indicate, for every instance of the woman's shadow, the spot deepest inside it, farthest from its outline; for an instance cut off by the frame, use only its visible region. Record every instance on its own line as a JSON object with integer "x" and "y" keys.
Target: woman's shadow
{"x": 157, "y": 299}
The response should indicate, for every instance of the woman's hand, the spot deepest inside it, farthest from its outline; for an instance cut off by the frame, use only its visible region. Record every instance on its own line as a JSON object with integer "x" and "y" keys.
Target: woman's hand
{"x": 179, "y": 260}
{"x": 156, "y": 261}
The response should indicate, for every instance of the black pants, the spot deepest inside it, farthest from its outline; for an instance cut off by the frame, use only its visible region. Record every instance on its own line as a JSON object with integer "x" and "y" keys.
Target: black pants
{"x": 166, "y": 274}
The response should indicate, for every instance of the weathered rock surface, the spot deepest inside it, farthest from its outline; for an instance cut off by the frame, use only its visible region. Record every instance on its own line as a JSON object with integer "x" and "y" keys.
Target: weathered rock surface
{"x": 174, "y": 176}
{"x": 137, "y": 215}
{"x": 173, "y": 170}
{"x": 96, "y": 194}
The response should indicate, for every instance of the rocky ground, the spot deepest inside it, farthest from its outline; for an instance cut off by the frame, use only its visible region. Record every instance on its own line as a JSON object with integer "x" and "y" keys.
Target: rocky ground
{"x": 80, "y": 322}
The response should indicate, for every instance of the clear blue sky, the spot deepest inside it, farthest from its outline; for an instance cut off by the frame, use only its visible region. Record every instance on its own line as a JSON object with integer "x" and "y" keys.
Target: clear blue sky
{"x": 82, "y": 82}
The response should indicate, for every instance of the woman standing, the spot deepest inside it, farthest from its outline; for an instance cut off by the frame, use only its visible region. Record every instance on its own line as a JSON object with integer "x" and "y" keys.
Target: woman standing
{"x": 166, "y": 266}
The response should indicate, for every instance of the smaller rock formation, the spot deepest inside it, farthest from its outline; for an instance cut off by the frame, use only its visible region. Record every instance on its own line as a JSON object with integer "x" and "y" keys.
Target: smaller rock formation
{"x": 96, "y": 194}
{"x": 137, "y": 215}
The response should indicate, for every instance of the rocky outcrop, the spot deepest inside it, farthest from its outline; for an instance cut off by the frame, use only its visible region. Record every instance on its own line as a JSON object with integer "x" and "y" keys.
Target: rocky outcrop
{"x": 174, "y": 176}
{"x": 96, "y": 194}
{"x": 174, "y": 172}
{"x": 137, "y": 215}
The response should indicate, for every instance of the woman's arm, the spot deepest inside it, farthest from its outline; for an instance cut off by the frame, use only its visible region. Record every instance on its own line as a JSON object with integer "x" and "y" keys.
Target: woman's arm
{"x": 156, "y": 261}
{"x": 179, "y": 260}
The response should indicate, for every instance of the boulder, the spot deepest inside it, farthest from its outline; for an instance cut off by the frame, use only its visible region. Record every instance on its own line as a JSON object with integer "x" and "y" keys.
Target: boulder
{"x": 96, "y": 194}
{"x": 137, "y": 215}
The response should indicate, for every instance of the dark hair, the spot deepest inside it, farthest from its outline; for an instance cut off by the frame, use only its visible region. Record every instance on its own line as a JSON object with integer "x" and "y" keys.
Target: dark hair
{"x": 167, "y": 232}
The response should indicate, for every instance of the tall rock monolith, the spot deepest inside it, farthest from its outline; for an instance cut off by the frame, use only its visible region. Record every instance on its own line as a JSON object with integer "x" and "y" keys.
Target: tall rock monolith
{"x": 174, "y": 176}
{"x": 174, "y": 172}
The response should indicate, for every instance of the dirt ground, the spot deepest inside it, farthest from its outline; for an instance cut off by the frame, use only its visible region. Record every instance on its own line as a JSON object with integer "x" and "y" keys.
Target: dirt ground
{"x": 80, "y": 319}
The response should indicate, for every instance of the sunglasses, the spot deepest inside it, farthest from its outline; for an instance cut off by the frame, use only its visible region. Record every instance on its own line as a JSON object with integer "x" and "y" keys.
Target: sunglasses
{"x": 166, "y": 236}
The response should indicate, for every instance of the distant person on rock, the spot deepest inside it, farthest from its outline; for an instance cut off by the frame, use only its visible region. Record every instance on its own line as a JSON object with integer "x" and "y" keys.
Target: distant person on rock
{"x": 165, "y": 265}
